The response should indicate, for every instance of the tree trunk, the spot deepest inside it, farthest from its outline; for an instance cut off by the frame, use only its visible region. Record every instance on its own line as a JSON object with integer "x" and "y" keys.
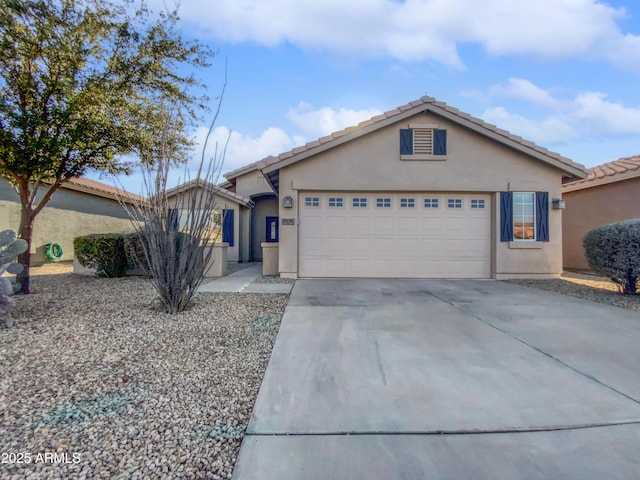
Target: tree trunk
{"x": 25, "y": 232}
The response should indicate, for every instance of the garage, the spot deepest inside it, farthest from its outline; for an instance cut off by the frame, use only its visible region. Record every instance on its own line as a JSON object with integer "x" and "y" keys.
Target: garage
{"x": 395, "y": 235}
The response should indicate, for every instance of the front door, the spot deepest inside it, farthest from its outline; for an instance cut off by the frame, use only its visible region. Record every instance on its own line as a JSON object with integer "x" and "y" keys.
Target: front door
{"x": 272, "y": 229}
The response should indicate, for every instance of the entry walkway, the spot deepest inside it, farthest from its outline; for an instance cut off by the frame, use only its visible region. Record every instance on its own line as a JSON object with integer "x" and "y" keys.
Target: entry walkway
{"x": 244, "y": 281}
{"x": 424, "y": 379}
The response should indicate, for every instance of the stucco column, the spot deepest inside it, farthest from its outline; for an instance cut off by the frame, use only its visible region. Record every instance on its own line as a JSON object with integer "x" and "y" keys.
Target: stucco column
{"x": 270, "y": 258}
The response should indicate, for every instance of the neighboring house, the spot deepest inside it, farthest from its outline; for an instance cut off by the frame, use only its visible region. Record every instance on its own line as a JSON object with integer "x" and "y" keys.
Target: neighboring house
{"x": 230, "y": 206}
{"x": 611, "y": 193}
{"x": 79, "y": 207}
{"x": 422, "y": 191}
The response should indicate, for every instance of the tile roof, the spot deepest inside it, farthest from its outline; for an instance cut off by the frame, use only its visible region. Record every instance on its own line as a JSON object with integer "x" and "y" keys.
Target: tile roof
{"x": 431, "y": 104}
{"x": 241, "y": 199}
{"x": 101, "y": 189}
{"x": 621, "y": 169}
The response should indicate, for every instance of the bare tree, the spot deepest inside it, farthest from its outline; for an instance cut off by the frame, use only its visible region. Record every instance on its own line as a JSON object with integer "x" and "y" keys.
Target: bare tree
{"x": 173, "y": 232}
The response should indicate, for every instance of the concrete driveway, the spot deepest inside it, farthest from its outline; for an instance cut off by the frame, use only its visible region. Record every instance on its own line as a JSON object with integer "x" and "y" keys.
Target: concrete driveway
{"x": 442, "y": 379}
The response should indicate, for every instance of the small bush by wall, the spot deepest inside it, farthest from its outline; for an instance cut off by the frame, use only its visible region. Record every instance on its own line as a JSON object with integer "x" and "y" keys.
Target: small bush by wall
{"x": 104, "y": 252}
{"x": 614, "y": 251}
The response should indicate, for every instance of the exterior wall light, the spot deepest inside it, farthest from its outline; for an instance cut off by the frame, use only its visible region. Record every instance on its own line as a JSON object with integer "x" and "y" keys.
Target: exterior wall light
{"x": 558, "y": 204}
{"x": 287, "y": 202}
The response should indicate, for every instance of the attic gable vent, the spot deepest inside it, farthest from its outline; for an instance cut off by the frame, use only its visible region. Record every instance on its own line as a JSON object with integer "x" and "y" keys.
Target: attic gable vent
{"x": 423, "y": 141}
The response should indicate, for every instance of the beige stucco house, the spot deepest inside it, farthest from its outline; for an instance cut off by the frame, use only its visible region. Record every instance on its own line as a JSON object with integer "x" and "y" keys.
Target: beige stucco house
{"x": 80, "y": 207}
{"x": 421, "y": 191}
{"x": 232, "y": 207}
{"x": 611, "y": 193}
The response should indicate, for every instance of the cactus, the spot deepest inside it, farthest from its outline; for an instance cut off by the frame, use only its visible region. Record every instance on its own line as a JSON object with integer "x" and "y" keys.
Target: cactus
{"x": 10, "y": 248}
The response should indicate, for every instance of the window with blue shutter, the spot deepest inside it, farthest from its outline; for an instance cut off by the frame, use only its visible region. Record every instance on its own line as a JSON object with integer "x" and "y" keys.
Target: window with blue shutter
{"x": 542, "y": 216}
{"x": 529, "y": 212}
{"x": 506, "y": 216}
{"x": 439, "y": 142}
{"x": 227, "y": 227}
{"x": 406, "y": 141}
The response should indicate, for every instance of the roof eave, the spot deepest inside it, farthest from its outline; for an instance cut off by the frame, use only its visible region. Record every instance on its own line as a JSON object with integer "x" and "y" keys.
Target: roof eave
{"x": 232, "y": 196}
{"x": 572, "y": 169}
{"x": 357, "y": 132}
{"x": 596, "y": 182}
{"x": 564, "y": 164}
{"x": 122, "y": 195}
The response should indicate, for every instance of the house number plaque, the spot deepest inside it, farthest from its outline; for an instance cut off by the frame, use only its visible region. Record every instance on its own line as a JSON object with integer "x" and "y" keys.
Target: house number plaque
{"x": 288, "y": 221}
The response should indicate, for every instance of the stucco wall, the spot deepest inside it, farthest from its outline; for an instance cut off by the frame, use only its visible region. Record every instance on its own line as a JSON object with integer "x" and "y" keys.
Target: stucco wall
{"x": 473, "y": 164}
{"x": 251, "y": 184}
{"x": 264, "y": 206}
{"x": 69, "y": 214}
{"x": 233, "y": 252}
{"x": 592, "y": 207}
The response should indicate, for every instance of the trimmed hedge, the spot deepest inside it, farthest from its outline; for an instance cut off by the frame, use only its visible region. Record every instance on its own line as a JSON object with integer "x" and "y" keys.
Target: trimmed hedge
{"x": 614, "y": 251}
{"x": 114, "y": 254}
{"x": 104, "y": 252}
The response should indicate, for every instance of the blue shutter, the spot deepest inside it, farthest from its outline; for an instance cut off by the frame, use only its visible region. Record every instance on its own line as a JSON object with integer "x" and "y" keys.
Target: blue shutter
{"x": 174, "y": 219}
{"x": 439, "y": 142}
{"x": 542, "y": 216}
{"x": 506, "y": 216}
{"x": 406, "y": 141}
{"x": 227, "y": 227}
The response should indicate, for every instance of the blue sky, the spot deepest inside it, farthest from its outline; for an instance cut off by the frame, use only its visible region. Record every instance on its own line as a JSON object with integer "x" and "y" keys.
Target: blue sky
{"x": 561, "y": 73}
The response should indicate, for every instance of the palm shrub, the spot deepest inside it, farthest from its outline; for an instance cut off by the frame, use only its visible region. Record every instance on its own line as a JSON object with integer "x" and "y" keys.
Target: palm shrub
{"x": 614, "y": 251}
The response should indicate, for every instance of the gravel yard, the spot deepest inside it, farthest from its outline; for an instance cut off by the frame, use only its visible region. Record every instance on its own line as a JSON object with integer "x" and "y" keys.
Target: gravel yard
{"x": 97, "y": 382}
{"x": 587, "y": 286}
{"x": 95, "y": 373}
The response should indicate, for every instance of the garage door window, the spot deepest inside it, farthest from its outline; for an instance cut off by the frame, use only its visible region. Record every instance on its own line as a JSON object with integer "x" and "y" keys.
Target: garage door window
{"x": 383, "y": 202}
{"x": 454, "y": 203}
{"x": 407, "y": 203}
{"x": 430, "y": 203}
{"x": 359, "y": 202}
{"x": 477, "y": 203}
{"x": 335, "y": 202}
{"x": 312, "y": 201}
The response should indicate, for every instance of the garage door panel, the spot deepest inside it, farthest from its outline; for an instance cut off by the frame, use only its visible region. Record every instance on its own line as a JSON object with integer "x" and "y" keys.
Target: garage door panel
{"x": 431, "y": 227}
{"x": 334, "y": 223}
{"x": 421, "y": 241}
{"x": 406, "y": 223}
{"x": 409, "y": 246}
{"x": 332, "y": 246}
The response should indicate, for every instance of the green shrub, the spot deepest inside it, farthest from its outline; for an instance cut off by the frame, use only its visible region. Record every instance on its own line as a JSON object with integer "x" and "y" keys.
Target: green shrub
{"x": 134, "y": 251}
{"x": 134, "y": 244}
{"x": 104, "y": 252}
{"x": 614, "y": 251}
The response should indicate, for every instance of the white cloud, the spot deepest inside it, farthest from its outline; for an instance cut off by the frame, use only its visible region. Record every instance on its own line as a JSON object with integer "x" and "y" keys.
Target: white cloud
{"x": 243, "y": 149}
{"x": 552, "y": 130}
{"x": 415, "y": 30}
{"x": 587, "y": 116}
{"x": 525, "y": 90}
{"x": 324, "y": 121}
{"x": 603, "y": 117}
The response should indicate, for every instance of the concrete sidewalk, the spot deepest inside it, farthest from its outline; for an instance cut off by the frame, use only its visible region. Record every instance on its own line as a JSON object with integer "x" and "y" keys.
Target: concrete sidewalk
{"x": 446, "y": 379}
{"x": 244, "y": 281}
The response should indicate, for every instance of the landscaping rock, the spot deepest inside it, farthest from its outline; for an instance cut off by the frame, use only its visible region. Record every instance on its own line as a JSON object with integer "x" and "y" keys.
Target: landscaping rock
{"x": 95, "y": 372}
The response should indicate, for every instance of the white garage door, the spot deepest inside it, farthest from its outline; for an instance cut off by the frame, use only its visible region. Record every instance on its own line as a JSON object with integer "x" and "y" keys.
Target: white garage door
{"x": 401, "y": 235}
